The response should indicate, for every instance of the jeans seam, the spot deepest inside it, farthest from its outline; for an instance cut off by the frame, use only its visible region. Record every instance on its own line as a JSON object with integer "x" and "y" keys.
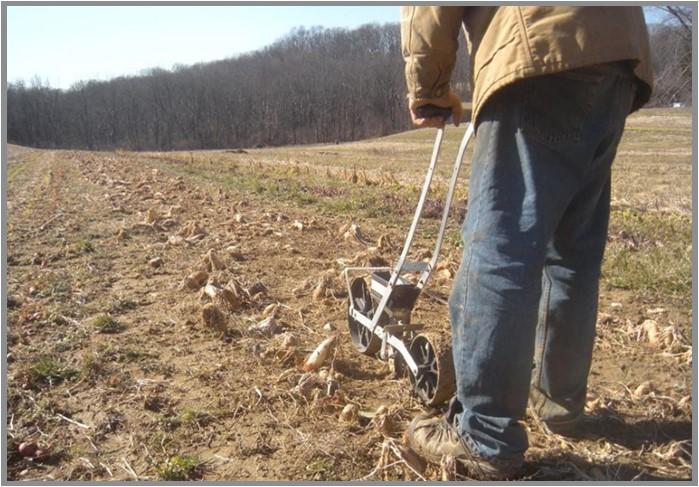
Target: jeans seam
{"x": 475, "y": 446}
{"x": 546, "y": 297}
{"x": 467, "y": 273}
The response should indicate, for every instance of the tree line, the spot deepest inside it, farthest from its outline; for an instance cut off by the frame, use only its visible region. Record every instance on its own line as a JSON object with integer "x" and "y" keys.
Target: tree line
{"x": 671, "y": 52}
{"x": 313, "y": 85}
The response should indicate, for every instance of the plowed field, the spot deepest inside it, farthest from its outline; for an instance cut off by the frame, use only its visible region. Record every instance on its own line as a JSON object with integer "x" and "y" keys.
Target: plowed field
{"x": 119, "y": 368}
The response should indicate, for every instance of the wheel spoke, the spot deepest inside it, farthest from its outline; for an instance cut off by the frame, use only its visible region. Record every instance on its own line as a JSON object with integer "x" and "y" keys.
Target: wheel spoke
{"x": 425, "y": 380}
{"x": 362, "y": 338}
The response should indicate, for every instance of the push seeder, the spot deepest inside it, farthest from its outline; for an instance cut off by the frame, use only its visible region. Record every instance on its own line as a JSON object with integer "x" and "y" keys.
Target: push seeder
{"x": 381, "y": 299}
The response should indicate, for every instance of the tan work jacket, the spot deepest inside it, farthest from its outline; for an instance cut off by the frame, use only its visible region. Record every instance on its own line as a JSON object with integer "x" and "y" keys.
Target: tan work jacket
{"x": 511, "y": 43}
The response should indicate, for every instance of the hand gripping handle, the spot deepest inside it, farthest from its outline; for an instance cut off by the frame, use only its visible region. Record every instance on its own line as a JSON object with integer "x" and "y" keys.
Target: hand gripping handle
{"x": 433, "y": 111}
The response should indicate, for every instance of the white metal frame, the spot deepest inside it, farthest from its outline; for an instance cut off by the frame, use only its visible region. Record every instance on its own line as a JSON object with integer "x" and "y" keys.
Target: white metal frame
{"x": 425, "y": 268}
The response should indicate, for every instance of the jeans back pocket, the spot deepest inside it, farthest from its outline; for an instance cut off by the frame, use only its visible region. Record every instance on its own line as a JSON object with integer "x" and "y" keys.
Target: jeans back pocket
{"x": 556, "y": 105}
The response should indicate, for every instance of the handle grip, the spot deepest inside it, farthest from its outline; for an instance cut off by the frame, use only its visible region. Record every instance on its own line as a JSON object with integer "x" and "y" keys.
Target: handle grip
{"x": 433, "y": 111}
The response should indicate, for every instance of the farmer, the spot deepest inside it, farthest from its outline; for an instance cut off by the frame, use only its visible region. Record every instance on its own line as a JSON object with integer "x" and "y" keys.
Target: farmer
{"x": 552, "y": 87}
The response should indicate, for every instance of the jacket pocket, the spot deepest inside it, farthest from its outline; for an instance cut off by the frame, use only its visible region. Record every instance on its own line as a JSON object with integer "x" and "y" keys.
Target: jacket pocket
{"x": 556, "y": 105}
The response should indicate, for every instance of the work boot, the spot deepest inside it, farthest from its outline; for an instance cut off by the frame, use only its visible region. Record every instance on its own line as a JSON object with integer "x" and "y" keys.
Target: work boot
{"x": 566, "y": 427}
{"x": 557, "y": 418}
{"x": 433, "y": 437}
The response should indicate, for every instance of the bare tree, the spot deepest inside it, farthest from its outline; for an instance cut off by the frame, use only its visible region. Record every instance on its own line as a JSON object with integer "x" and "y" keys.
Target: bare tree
{"x": 682, "y": 16}
{"x": 312, "y": 85}
{"x": 671, "y": 44}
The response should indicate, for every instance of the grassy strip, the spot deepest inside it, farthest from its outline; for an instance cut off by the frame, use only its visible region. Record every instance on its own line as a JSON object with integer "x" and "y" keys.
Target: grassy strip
{"x": 329, "y": 195}
{"x": 650, "y": 252}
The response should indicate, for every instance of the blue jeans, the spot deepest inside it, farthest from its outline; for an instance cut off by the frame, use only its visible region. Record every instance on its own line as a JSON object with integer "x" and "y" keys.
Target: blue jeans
{"x": 526, "y": 292}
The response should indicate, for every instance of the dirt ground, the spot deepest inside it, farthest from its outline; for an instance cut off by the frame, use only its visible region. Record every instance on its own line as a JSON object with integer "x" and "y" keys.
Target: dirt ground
{"x": 114, "y": 373}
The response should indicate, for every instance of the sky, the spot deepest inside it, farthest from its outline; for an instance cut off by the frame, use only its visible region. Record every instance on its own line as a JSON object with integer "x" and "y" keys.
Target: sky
{"x": 65, "y": 44}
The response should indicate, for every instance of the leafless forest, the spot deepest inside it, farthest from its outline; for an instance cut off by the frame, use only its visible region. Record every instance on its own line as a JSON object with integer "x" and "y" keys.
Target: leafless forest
{"x": 312, "y": 85}
{"x": 317, "y": 85}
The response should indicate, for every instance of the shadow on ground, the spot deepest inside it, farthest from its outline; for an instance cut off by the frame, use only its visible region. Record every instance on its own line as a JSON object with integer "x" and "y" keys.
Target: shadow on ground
{"x": 632, "y": 433}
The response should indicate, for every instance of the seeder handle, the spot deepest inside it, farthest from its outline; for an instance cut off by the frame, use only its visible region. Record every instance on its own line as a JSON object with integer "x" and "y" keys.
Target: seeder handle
{"x": 420, "y": 205}
{"x": 447, "y": 205}
{"x": 433, "y": 111}
{"x": 398, "y": 269}
{"x": 413, "y": 226}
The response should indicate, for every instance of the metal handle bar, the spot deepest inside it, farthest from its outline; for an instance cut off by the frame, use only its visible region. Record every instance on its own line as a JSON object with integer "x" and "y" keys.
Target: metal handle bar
{"x": 447, "y": 206}
{"x": 411, "y": 233}
{"x": 418, "y": 212}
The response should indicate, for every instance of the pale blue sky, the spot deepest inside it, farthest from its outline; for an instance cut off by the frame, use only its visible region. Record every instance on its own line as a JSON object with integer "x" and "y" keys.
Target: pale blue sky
{"x": 65, "y": 44}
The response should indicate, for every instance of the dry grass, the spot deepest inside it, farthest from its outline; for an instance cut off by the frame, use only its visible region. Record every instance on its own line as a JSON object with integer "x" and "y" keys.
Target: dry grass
{"x": 113, "y": 370}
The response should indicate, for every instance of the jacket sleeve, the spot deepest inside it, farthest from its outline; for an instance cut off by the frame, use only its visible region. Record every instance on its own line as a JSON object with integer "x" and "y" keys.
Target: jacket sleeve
{"x": 429, "y": 40}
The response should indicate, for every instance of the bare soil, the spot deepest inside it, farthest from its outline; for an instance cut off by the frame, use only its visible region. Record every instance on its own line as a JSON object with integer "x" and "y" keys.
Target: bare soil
{"x": 114, "y": 372}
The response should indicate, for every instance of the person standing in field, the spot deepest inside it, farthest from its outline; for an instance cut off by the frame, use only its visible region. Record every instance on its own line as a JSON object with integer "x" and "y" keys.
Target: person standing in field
{"x": 552, "y": 87}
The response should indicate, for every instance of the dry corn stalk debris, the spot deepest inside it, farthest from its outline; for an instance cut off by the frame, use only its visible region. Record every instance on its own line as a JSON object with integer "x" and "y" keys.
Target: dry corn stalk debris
{"x": 267, "y": 327}
{"x": 352, "y": 233}
{"x": 192, "y": 230}
{"x": 322, "y": 352}
{"x": 195, "y": 280}
{"x": 203, "y": 370}
{"x": 213, "y": 317}
{"x": 666, "y": 337}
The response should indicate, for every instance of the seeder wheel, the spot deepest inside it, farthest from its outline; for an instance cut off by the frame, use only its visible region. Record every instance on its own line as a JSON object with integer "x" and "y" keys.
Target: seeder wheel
{"x": 362, "y": 338}
{"x": 434, "y": 381}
